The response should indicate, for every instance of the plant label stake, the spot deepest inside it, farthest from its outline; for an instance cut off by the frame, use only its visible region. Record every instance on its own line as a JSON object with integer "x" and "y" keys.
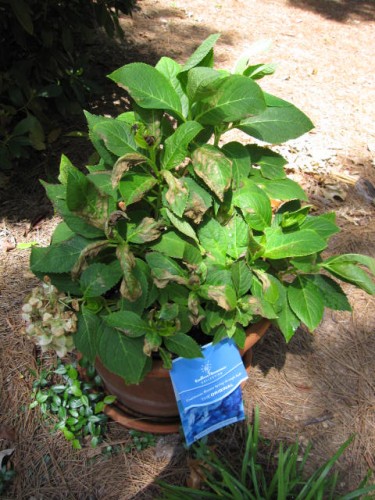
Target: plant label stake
{"x": 208, "y": 391}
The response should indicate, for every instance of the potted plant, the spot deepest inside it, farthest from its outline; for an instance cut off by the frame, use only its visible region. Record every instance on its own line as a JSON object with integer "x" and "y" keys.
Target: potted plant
{"x": 170, "y": 240}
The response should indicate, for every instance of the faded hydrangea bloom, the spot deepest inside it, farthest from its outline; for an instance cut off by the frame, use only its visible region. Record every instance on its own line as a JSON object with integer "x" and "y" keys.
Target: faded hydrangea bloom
{"x": 49, "y": 321}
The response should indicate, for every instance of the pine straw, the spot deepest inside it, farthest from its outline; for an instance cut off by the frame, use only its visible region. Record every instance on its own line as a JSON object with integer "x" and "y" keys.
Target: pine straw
{"x": 319, "y": 388}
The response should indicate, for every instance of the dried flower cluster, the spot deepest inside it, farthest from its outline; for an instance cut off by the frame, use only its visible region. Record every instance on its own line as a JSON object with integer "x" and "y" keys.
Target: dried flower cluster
{"x": 50, "y": 320}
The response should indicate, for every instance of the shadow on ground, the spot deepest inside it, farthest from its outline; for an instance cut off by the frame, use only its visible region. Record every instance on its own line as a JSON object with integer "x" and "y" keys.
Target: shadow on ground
{"x": 339, "y": 10}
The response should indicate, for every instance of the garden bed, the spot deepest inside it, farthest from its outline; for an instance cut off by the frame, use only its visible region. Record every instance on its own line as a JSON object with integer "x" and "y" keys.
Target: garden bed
{"x": 318, "y": 388}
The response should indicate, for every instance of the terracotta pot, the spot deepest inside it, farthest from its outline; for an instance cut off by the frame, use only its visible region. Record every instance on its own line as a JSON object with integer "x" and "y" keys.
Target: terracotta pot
{"x": 151, "y": 405}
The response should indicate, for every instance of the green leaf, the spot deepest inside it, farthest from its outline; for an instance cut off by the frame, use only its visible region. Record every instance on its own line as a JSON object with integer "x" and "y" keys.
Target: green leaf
{"x": 306, "y": 301}
{"x": 241, "y": 277}
{"x": 211, "y": 165}
{"x": 170, "y": 69}
{"x": 254, "y": 204}
{"x": 333, "y": 295}
{"x": 214, "y": 238}
{"x": 279, "y": 245}
{"x": 117, "y": 137}
{"x": 102, "y": 181}
{"x": 271, "y": 163}
{"x": 135, "y": 185}
{"x": 66, "y": 166}
{"x": 183, "y": 226}
{"x": 288, "y": 219}
{"x": 128, "y": 117}
{"x": 239, "y": 156}
{"x": 151, "y": 118}
{"x": 29, "y": 244}
{"x": 217, "y": 274}
{"x": 61, "y": 233}
{"x": 129, "y": 323}
{"x": 199, "y": 82}
{"x": 238, "y": 236}
{"x": 306, "y": 264}
{"x": 69, "y": 436}
{"x": 183, "y": 345}
{"x": 258, "y": 71}
{"x": 77, "y": 187}
{"x": 347, "y": 268}
{"x": 171, "y": 244}
{"x": 177, "y": 194}
{"x": 280, "y": 122}
{"x": 271, "y": 288}
{"x": 235, "y": 98}
{"x": 124, "y": 356}
{"x": 99, "y": 407}
{"x": 99, "y": 278}
{"x": 148, "y": 87}
{"x": 57, "y": 258}
{"x": 176, "y": 146}
{"x": 239, "y": 336}
{"x": 201, "y": 52}
{"x": 282, "y": 189}
{"x": 93, "y": 121}
{"x": 75, "y": 390}
{"x": 287, "y": 321}
{"x": 109, "y": 400}
{"x": 321, "y": 225}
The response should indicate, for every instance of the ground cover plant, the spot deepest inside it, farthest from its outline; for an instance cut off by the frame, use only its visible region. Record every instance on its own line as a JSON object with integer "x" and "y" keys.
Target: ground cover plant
{"x": 73, "y": 403}
{"x": 171, "y": 229}
{"x": 283, "y": 477}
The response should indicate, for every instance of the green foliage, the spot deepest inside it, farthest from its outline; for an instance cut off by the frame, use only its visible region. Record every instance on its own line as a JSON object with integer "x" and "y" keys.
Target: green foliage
{"x": 44, "y": 61}
{"x": 75, "y": 405}
{"x": 254, "y": 480}
{"x": 140, "y": 441}
{"x": 172, "y": 230}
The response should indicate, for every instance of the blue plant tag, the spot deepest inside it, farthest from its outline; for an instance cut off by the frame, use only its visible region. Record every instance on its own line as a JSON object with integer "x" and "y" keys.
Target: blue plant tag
{"x": 208, "y": 390}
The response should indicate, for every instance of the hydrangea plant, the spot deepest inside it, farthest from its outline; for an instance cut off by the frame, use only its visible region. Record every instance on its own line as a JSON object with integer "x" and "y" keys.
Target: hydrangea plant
{"x": 172, "y": 233}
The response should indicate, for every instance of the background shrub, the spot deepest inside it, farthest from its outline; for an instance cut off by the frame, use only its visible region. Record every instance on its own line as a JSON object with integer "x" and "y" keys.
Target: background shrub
{"x": 44, "y": 59}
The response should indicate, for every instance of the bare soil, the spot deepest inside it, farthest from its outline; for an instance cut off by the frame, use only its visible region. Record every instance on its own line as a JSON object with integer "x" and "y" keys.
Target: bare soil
{"x": 320, "y": 387}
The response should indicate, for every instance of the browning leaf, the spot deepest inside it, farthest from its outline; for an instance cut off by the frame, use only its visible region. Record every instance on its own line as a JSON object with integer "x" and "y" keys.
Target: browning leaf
{"x": 130, "y": 287}
{"x": 177, "y": 194}
{"x": 147, "y": 230}
{"x": 123, "y": 164}
{"x": 221, "y": 296}
{"x": 214, "y": 168}
{"x": 196, "y": 208}
{"x": 91, "y": 250}
{"x": 165, "y": 277}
